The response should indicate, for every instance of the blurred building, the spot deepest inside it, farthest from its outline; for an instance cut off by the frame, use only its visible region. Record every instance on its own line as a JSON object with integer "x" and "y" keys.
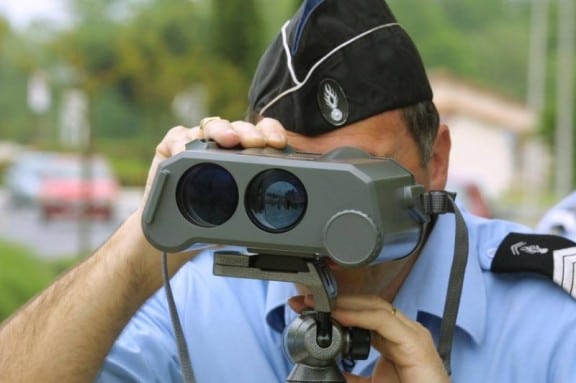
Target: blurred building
{"x": 8, "y": 151}
{"x": 494, "y": 139}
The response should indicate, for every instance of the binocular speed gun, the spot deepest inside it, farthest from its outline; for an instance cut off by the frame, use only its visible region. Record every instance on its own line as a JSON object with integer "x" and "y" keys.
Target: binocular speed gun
{"x": 346, "y": 205}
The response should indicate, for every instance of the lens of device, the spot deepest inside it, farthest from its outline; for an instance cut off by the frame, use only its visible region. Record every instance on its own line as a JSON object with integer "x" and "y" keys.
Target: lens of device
{"x": 275, "y": 200}
{"x": 207, "y": 195}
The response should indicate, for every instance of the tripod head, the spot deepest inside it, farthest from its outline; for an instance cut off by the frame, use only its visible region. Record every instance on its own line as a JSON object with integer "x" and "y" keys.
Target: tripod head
{"x": 313, "y": 341}
{"x": 315, "y": 356}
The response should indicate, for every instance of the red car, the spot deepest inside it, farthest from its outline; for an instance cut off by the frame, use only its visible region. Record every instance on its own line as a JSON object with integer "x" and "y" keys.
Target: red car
{"x": 75, "y": 186}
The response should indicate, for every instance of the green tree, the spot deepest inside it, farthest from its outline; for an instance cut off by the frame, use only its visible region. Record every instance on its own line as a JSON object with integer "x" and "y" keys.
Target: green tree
{"x": 237, "y": 27}
{"x": 17, "y": 60}
{"x": 486, "y": 41}
{"x": 133, "y": 66}
{"x": 4, "y": 32}
{"x": 135, "y": 56}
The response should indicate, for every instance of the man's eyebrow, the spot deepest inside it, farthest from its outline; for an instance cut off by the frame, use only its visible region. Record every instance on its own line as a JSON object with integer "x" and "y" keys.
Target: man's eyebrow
{"x": 389, "y": 153}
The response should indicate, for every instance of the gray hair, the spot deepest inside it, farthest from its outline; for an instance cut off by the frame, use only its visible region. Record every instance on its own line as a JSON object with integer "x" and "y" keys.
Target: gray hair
{"x": 422, "y": 120}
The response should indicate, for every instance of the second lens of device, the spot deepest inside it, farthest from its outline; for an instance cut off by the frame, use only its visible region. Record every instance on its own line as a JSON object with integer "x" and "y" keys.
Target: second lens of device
{"x": 276, "y": 200}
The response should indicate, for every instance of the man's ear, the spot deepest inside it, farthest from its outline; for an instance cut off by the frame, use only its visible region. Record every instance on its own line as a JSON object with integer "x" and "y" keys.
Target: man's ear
{"x": 440, "y": 158}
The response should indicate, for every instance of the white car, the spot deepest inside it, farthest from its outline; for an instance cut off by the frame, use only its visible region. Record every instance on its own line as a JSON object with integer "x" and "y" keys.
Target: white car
{"x": 23, "y": 178}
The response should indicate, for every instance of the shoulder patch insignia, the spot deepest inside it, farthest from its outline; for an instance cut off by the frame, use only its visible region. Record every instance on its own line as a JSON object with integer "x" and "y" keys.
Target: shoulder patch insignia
{"x": 549, "y": 255}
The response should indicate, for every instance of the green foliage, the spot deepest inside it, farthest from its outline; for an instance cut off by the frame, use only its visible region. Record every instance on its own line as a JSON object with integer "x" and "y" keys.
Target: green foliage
{"x": 4, "y": 32}
{"x": 132, "y": 57}
{"x": 133, "y": 68}
{"x": 22, "y": 276}
{"x": 236, "y": 27}
{"x": 115, "y": 116}
{"x": 484, "y": 40}
{"x": 130, "y": 158}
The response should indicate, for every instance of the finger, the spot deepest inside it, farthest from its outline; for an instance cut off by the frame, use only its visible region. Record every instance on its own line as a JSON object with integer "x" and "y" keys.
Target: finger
{"x": 367, "y": 302}
{"x": 384, "y": 371}
{"x": 362, "y": 302}
{"x": 375, "y": 314}
{"x": 300, "y": 303}
{"x": 382, "y": 322}
{"x": 407, "y": 344}
{"x": 222, "y": 132}
{"x": 273, "y": 131}
{"x": 355, "y": 378}
{"x": 367, "y": 312}
{"x": 175, "y": 141}
{"x": 297, "y": 303}
{"x": 403, "y": 345}
{"x": 250, "y": 136}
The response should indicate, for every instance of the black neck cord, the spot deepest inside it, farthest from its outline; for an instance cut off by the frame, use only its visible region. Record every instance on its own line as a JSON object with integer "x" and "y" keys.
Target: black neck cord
{"x": 438, "y": 202}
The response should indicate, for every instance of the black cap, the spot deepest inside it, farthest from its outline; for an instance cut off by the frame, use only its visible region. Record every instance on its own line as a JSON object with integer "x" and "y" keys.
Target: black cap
{"x": 337, "y": 62}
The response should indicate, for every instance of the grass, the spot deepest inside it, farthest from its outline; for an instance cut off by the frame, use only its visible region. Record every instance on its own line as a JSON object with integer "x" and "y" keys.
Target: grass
{"x": 23, "y": 275}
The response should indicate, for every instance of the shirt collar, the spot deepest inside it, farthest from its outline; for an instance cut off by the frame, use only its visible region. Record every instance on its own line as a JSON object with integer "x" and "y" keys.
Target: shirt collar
{"x": 425, "y": 288}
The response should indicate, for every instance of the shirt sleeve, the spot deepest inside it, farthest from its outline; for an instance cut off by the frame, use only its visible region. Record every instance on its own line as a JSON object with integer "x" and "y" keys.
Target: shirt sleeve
{"x": 146, "y": 349}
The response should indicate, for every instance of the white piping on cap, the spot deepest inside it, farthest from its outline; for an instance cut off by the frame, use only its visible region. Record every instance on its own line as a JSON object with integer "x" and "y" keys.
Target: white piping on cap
{"x": 300, "y": 84}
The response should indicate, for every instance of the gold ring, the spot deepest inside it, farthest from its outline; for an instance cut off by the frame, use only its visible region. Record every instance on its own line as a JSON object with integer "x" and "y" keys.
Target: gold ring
{"x": 206, "y": 120}
{"x": 394, "y": 311}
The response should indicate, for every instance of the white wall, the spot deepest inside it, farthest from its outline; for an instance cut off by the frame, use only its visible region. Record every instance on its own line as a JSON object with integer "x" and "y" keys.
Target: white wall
{"x": 482, "y": 153}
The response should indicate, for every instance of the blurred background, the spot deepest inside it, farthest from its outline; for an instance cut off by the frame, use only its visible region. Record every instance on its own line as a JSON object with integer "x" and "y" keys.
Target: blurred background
{"x": 89, "y": 87}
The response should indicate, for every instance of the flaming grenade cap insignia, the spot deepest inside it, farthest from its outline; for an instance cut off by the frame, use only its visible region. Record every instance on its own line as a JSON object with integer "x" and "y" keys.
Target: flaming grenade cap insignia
{"x": 332, "y": 102}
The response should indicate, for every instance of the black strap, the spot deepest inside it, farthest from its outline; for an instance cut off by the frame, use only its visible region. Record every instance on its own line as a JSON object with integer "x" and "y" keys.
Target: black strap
{"x": 439, "y": 202}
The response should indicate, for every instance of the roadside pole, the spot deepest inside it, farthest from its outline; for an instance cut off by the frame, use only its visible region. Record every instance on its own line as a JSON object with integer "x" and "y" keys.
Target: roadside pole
{"x": 39, "y": 102}
{"x": 564, "y": 132}
{"x": 76, "y": 133}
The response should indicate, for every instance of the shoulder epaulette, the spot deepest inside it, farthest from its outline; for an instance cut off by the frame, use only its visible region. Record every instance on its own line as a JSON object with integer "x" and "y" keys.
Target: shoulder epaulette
{"x": 549, "y": 255}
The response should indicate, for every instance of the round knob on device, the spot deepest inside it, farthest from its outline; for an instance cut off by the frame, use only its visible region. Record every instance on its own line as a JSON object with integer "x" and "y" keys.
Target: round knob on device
{"x": 352, "y": 238}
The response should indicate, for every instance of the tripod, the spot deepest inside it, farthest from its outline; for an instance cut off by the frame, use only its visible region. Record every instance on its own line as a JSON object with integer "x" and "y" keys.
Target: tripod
{"x": 313, "y": 341}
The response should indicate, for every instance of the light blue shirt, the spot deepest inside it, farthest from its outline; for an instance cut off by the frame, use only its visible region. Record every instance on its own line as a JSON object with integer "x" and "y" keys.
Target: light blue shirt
{"x": 510, "y": 328}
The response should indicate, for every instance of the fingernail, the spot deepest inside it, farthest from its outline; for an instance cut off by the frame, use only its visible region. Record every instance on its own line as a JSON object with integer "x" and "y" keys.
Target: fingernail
{"x": 277, "y": 138}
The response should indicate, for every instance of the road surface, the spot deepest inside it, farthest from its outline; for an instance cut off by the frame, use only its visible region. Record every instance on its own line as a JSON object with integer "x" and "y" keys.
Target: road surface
{"x": 66, "y": 237}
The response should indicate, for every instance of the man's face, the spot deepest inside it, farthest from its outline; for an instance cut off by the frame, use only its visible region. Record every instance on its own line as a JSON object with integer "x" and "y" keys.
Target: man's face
{"x": 384, "y": 135}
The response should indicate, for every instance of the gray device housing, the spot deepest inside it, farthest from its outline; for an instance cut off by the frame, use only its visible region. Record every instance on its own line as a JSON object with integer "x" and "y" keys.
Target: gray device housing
{"x": 360, "y": 209}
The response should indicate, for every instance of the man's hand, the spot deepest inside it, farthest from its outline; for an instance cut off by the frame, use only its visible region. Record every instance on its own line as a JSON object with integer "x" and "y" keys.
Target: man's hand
{"x": 407, "y": 351}
{"x": 65, "y": 333}
{"x": 267, "y": 132}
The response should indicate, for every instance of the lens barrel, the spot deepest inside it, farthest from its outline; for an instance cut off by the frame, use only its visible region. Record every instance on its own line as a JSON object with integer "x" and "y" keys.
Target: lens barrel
{"x": 207, "y": 195}
{"x": 275, "y": 200}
